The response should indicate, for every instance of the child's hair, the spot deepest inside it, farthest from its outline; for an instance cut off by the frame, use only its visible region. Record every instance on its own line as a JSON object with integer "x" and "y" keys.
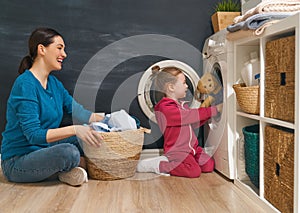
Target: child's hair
{"x": 162, "y": 76}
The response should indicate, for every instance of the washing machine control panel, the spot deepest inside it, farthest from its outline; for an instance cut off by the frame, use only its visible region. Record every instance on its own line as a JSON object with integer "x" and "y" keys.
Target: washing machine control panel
{"x": 215, "y": 44}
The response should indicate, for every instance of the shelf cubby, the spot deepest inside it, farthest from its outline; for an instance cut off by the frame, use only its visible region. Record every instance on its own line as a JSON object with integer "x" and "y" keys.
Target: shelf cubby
{"x": 241, "y": 51}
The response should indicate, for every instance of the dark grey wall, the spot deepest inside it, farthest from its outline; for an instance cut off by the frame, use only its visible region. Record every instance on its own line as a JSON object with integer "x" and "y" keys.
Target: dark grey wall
{"x": 90, "y": 25}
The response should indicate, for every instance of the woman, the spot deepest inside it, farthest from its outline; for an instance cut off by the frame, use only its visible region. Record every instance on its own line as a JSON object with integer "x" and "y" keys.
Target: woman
{"x": 34, "y": 146}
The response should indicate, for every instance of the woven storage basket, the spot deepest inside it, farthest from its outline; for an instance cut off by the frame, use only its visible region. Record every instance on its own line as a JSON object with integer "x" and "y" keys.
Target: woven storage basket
{"x": 247, "y": 98}
{"x": 279, "y": 167}
{"x": 117, "y": 157}
{"x": 251, "y": 140}
{"x": 280, "y": 79}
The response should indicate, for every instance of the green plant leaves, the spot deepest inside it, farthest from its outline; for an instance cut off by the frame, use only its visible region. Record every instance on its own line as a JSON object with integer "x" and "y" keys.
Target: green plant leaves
{"x": 228, "y": 5}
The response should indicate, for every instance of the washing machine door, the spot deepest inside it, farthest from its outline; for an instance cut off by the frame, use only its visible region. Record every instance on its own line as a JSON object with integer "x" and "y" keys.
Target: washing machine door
{"x": 218, "y": 135}
{"x": 147, "y": 96}
{"x": 214, "y": 132}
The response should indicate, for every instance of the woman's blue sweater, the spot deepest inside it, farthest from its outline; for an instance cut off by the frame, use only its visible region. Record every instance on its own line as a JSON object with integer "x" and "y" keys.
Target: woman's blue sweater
{"x": 32, "y": 110}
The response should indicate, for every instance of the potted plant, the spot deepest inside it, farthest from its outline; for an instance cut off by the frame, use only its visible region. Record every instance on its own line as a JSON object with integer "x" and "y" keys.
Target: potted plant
{"x": 225, "y": 12}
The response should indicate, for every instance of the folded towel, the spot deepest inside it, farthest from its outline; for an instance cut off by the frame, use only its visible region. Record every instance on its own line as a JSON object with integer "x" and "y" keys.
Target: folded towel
{"x": 231, "y": 36}
{"x": 270, "y": 6}
{"x": 257, "y": 21}
{"x": 262, "y": 28}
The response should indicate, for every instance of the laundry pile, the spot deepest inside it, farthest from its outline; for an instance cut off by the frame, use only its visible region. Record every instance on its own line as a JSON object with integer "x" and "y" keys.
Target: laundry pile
{"x": 116, "y": 121}
{"x": 255, "y": 20}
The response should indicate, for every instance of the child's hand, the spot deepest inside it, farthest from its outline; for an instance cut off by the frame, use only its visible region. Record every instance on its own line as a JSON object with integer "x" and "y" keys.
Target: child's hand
{"x": 219, "y": 108}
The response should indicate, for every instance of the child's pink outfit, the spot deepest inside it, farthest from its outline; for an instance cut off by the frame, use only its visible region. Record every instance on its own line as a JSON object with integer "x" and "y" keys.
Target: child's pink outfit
{"x": 177, "y": 121}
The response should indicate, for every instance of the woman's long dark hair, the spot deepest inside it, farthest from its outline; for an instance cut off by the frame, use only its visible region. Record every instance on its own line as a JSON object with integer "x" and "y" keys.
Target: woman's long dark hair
{"x": 42, "y": 36}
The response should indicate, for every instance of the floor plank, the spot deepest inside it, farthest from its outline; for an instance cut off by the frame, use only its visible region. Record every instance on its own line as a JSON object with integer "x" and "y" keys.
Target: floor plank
{"x": 141, "y": 193}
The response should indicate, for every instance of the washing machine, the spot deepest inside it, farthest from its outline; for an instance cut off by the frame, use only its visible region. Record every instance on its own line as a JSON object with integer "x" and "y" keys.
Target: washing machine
{"x": 217, "y": 56}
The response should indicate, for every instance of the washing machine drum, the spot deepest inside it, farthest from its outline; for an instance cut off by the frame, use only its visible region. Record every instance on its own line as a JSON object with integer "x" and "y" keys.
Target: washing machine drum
{"x": 147, "y": 97}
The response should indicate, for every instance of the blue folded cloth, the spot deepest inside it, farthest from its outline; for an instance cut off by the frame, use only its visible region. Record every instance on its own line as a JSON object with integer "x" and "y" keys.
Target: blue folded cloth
{"x": 104, "y": 126}
{"x": 100, "y": 127}
{"x": 256, "y": 21}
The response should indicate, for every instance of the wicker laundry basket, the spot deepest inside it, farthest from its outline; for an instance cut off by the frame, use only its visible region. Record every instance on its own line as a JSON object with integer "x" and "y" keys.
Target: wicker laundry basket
{"x": 247, "y": 98}
{"x": 118, "y": 155}
{"x": 279, "y": 167}
{"x": 251, "y": 140}
{"x": 280, "y": 79}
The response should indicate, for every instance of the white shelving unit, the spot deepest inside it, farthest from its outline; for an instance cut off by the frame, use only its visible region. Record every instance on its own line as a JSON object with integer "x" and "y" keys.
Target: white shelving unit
{"x": 242, "y": 48}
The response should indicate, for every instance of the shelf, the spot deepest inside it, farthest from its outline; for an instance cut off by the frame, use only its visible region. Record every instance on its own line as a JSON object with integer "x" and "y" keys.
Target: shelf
{"x": 278, "y": 122}
{"x": 267, "y": 120}
{"x": 246, "y": 115}
{"x": 241, "y": 51}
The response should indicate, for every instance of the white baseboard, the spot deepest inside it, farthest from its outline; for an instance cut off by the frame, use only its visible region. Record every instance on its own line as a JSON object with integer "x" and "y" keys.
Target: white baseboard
{"x": 149, "y": 153}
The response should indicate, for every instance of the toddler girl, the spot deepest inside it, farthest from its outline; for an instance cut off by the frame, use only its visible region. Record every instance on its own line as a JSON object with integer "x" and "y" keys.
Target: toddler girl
{"x": 182, "y": 155}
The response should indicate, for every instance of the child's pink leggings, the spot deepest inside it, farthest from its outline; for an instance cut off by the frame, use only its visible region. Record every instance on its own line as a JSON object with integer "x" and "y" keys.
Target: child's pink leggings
{"x": 186, "y": 164}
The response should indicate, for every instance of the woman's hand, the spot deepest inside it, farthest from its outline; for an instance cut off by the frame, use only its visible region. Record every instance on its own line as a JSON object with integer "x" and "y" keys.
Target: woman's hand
{"x": 88, "y": 135}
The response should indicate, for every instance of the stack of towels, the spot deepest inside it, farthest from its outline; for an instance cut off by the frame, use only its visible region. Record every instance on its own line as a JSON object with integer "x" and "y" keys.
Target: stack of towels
{"x": 255, "y": 20}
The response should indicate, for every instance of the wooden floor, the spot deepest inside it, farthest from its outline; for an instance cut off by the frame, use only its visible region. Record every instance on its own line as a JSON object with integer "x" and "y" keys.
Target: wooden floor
{"x": 142, "y": 193}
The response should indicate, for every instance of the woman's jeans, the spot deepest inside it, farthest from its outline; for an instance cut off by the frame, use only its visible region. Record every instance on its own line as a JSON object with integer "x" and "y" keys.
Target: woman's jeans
{"x": 41, "y": 164}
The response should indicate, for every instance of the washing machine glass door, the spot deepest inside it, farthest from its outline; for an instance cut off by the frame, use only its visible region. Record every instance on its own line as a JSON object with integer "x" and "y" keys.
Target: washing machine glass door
{"x": 217, "y": 124}
{"x": 217, "y": 73}
{"x": 147, "y": 97}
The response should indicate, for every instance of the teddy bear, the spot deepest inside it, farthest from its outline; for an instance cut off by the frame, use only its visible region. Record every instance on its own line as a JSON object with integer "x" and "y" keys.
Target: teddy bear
{"x": 210, "y": 86}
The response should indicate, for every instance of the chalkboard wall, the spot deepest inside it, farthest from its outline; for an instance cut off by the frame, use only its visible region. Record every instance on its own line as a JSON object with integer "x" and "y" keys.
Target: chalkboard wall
{"x": 89, "y": 26}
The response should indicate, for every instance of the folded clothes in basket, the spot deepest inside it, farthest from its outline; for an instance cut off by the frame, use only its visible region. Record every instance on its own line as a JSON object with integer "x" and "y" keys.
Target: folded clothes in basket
{"x": 102, "y": 127}
{"x": 116, "y": 121}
